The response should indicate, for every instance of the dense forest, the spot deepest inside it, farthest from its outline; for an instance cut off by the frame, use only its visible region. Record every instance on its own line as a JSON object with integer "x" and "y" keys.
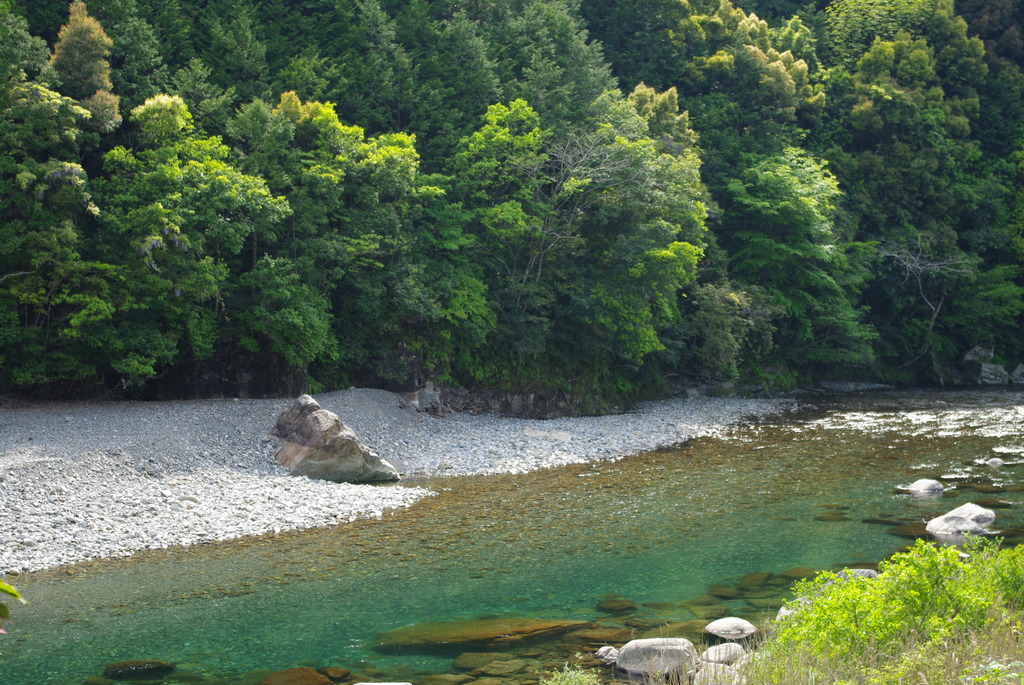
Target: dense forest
{"x": 592, "y": 197}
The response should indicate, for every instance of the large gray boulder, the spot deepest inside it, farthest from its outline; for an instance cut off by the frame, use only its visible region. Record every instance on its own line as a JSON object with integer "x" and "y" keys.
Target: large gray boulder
{"x": 985, "y": 373}
{"x": 658, "y": 657}
{"x": 1017, "y": 377}
{"x": 966, "y": 519}
{"x": 318, "y": 445}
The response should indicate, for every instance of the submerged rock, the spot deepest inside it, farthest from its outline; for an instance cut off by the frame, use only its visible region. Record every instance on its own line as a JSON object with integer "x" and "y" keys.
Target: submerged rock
{"x": 600, "y": 636}
{"x": 723, "y": 591}
{"x": 139, "y": 669}
{"x": 752, "y": 580}
{"x": 444, "y": 635}
{"x": 799, "y": 573}
{"x": 616, "y": 605}
{"x": 662, "y": 657}
{"x": 691, "y": 630}
{"x": 909, "y": 530}
{"x": 296, "y": 676}
{"x": 468, "y": 661}
{"x": 709, "y": 611}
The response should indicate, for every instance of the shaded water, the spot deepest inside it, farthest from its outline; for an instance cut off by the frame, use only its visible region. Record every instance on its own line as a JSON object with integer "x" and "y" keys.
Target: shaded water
{"x": 657, "y": 529}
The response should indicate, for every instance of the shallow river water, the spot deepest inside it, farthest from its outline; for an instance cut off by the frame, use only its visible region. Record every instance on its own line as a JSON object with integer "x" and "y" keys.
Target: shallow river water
{"x": 815, "y": 489}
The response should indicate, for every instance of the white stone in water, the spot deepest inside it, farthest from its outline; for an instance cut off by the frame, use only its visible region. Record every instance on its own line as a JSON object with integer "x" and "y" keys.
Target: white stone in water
{"x": 965, "y": 519}
{"x": 995, "y": 462}
{"x": 731, "y": 628}
{"x": 608, "y": 654}
{"x": 973, "y": 512}
{"x": 925, "y": 485}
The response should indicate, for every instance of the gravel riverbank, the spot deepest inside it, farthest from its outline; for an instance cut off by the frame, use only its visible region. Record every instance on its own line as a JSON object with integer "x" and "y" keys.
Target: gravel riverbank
{"x": 96, "y": 479}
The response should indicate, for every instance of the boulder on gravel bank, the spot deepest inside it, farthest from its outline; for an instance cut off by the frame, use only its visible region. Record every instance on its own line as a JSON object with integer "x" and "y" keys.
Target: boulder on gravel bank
{"x": 317, "y": 444}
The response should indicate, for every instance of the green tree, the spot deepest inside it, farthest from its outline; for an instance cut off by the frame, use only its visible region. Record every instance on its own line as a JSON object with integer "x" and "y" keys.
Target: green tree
{"x": 47, "y": 292}
{"x": 177, "y": 217}
{"x": 80, "y": 54}
{"x": 138, "y": 71}
{"x": 855, "y": 24}
{"x": 782, "y": 238}
{"x": 592, "y": 230}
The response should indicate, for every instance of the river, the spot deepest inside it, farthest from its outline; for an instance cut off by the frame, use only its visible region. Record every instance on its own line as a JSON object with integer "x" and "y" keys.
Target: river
{"x": 816, "y": 490}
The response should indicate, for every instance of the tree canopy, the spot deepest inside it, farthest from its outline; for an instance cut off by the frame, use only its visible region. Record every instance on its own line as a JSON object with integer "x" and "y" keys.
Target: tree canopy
{"x": 593, "y": 197}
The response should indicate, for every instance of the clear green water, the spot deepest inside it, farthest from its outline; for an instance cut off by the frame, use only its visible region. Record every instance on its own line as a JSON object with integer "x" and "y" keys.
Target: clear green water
{"x": 656, "y": 528}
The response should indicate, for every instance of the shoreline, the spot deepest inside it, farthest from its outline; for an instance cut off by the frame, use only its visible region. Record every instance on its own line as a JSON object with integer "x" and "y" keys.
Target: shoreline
{"x": 85, "y": 480}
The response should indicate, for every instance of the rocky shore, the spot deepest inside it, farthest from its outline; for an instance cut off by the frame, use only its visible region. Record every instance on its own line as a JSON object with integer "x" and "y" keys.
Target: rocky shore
{"x": 96, "y": 479}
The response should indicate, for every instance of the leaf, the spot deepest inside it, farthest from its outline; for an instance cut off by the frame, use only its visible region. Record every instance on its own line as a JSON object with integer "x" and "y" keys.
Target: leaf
{"x": 8, "y": 590}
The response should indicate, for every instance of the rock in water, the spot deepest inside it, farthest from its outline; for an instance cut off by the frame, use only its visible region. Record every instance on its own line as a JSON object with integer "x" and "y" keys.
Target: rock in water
{"x": 965, "y": 519}
{"x": 925, "y": 485}
{"x": 731, "y": 628}
{"x": 489, "y": 632}
{"x": 296, "y": 676}
{"x": 317, "y": 444}
{"x": 139, "y": 669}
{"x": 660, "y": 657}
{"x": 616, "y": 605}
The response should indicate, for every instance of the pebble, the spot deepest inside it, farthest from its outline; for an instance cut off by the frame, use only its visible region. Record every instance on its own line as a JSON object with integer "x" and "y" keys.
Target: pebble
{"x": 138, "y": 475}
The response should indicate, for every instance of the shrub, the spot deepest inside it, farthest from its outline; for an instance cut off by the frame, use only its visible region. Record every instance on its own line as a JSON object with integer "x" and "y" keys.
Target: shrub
{"x": 919, "y": 621}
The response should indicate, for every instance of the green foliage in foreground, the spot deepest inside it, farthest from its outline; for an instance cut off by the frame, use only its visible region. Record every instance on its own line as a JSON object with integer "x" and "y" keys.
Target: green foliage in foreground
{"x": 928, "y": 617}
{"x": 6, "y": 589}
{"x": 571, "y": 675}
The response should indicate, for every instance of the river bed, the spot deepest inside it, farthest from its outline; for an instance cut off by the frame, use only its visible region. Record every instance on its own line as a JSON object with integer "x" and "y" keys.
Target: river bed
{"x": 816, "y": 490}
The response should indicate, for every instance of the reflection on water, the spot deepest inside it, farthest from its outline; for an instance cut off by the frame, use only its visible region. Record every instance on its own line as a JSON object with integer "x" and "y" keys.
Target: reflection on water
{"x": 813, "y": 491}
